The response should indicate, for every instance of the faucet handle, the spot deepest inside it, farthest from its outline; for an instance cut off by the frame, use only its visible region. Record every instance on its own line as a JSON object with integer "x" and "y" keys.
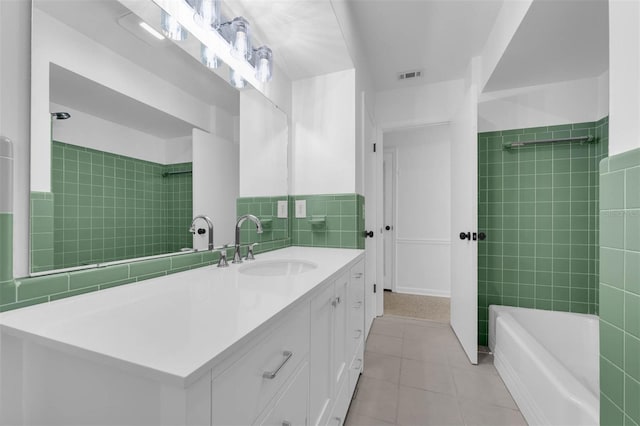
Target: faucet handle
{"x": 250, "y": 255}
{"x": 222, "y": 262}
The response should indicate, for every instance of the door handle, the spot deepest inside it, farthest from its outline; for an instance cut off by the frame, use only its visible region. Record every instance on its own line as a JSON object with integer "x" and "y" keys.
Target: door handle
{"x": 465, "y": 236}
{"x": 482, "y": 236}
{"x": 388, "y": 228}
{"x": 368, "y": 234}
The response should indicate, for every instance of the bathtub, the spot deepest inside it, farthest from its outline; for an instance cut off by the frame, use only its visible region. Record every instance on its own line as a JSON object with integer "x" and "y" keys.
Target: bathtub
{"x": 549, "y": 362}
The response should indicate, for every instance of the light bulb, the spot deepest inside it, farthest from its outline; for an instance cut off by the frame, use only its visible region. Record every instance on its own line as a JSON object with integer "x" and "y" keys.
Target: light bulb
{"x": 241, "y": 38}
{"x": 264, "y": 64}
{"x": 208, "y": 12}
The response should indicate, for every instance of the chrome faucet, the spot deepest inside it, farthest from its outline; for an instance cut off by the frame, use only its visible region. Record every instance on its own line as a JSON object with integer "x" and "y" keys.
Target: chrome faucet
{"x": 201, "y": 231}
{"x": 237, "y": 258}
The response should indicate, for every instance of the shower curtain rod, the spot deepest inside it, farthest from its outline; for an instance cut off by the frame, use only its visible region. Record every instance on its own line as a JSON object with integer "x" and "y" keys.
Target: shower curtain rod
{"x": 165, "y": 174}
{"x": 580, "y": 139}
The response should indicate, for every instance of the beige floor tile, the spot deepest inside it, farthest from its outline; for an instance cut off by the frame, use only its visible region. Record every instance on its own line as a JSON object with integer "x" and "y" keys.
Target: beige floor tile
{"x": 479, "y": 414}
{"x": 382, "y": 367}
{"x": 458, "y": 359}
{"x": 439, "y": 336}
{"x": 387, "y": 345}
{"x": 388, "y": 328}
{"x": 427, "y": 376}
{"x": 419, "y": 407}
{"x": 421, "y": 350}
{"x": 376, "y": 399}
{"x": 482, "y": 387}
{"x": 420, "y": 322}
{"x": 355, "y": 419}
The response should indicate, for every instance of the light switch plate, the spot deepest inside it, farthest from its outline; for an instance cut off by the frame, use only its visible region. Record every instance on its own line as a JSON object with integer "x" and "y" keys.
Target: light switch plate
{"x": 282, "y": 209}
{"x": 301, "y": 208}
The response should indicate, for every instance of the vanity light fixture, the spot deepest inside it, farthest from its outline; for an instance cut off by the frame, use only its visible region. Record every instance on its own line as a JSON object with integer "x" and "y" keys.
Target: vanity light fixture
{"x": 240, "y": 38}
{"x": 171, "y": 28}
{"x": 208, "y": 13}
{"x": 263, "y": 63}
{"x": 151, "y": 31}
{"x": 208, "y": 57}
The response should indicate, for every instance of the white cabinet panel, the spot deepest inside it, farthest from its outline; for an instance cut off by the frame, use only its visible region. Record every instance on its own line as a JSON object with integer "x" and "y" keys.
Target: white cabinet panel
{"x": 320, "y": 390}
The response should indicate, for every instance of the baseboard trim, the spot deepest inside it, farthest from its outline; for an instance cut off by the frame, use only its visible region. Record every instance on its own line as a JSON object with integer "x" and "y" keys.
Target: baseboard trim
{"x": 423, "y": 292}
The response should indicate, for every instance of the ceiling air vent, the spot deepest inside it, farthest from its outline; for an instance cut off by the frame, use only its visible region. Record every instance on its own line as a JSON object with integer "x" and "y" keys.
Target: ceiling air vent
{"x": 406, "y": 75}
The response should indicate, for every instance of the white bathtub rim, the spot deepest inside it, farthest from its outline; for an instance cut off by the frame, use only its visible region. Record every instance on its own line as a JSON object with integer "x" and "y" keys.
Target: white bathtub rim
{"x": 563, "y": 381}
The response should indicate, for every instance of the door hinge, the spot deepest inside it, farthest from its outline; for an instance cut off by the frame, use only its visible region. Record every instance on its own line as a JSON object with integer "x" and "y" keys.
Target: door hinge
{"x": 374, "y": 147}
{"x": 375, "y": 288}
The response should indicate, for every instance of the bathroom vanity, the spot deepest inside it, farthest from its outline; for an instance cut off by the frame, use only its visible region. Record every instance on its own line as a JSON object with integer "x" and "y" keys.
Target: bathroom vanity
{"x": 275, "y": 341}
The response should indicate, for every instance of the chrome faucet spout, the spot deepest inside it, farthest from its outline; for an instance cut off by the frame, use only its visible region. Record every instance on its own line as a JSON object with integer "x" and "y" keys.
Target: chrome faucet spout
{"x": 192, "y": 229}
{"x": 237, "y": 258}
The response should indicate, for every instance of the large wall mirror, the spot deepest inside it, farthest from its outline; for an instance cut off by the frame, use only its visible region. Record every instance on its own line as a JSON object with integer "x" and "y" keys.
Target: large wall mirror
{"x": 133, "y": 136}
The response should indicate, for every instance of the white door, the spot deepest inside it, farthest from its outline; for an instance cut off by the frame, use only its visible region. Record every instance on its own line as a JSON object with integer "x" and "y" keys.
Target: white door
{"x": 370, "y": 219}
{"x": 464, "y": 218}
{"x": 389, "y": 220}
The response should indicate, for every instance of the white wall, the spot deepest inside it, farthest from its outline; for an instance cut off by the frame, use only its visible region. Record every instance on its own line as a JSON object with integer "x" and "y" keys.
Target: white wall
{"x": 215, "y": 187}
{"x": 323, "y": 120}
{"x": 15, "y": 40}
{"x": 58, "y": 43}
{"x": 545, "y": 105}
{"x": 264, "y": 137}
{"x": 624, "y": 69}
{"x": 423, "y": 209}
{"x": 93, "y": 132}
{"x": 431, "y": 103}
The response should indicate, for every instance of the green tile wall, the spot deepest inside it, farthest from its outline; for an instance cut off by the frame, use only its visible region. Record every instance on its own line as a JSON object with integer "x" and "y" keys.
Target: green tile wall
{"x": 620, "y": 289}
{"x": 7, "y": 295}
{"x": 266, "y": 209}
{"x": 538, "y": 205}
{"x": 111, "y": 207}
{"x": 41, "y": 226}
{"x": 344, "y": 221}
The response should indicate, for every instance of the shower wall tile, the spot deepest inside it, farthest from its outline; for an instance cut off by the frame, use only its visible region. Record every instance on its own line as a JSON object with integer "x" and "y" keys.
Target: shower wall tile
{"x": 41, "y": 231}
{"x": 538, "y": 205}
{"x": 620, "y": 290}
{"x": 110, "y": 207}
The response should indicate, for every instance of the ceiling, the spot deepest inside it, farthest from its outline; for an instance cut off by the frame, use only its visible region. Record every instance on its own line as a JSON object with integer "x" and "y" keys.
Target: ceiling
{"x": 557, "y": 41}
{"x": 305, "y": 35}
{"x": 435, "y": 36}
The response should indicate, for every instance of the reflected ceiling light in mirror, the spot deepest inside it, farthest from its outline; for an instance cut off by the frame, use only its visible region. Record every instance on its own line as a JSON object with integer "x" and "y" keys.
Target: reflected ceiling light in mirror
{"x": 151, "y": 31}
{"x": 208, "y": 57}
{"x": 236, "y": 79}
{"x": 208, "y": 13}
{"x": 171, "y": 28}
{"x": 263, "y": 63}
{"x": 240, "y": 38}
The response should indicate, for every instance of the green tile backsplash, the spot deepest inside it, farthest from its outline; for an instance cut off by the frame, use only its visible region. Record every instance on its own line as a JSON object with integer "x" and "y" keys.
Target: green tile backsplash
{"x": 343, "y": 217}
{"x": 41, "y": 231}
{"x": 266, "y": 209}
{"x": 538, "y": 205}
{"x": 110, "y": 207}
{"x": 620, "y": 289}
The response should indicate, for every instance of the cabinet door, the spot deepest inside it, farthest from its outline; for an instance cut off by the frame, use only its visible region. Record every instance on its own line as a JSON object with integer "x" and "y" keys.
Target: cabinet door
{"x": 291, "y": 408}
{"x": 341, "y": 308}
{"x": 320, "y": 356}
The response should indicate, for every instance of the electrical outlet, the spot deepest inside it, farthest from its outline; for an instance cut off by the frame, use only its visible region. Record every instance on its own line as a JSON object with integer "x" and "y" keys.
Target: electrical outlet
{"x": 301, "y": 208}
{"x": 282, "y": 208}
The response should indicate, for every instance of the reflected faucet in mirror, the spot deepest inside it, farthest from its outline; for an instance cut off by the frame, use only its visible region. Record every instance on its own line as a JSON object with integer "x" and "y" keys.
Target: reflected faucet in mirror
{"x": 201, "y": 231}
{"x": 237, "y": 258}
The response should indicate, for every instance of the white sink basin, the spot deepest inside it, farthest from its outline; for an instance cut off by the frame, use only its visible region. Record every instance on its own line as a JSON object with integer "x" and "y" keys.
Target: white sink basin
{"x": 277, "y": 267}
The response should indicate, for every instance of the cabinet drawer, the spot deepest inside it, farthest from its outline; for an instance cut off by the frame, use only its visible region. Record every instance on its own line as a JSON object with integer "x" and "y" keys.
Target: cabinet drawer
{"x": 242, "y": 391}
{"x": 291, "y": 408}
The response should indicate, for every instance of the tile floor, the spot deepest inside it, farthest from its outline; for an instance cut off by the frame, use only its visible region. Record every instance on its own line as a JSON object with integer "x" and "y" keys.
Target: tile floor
{"x": 416, "y": 373}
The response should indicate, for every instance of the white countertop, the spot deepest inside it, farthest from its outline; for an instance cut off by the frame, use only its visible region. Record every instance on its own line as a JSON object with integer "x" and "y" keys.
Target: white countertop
{"x": 174, "y": 328}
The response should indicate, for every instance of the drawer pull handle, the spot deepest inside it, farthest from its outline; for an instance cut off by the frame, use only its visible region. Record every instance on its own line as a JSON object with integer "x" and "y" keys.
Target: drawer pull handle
{"x": 272, "y": 374}
{"x": 359, "y": 334}
{"x": 357, "y": 305}
{"x": 358, "y": 275}
{"x": 336, "y": 302}
{"x": 359, "y": 364}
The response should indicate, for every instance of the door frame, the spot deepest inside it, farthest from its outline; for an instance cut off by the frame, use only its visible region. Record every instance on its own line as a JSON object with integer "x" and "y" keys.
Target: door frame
{"x": 383, "y": 128}
{"x": 390, "y": 236}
